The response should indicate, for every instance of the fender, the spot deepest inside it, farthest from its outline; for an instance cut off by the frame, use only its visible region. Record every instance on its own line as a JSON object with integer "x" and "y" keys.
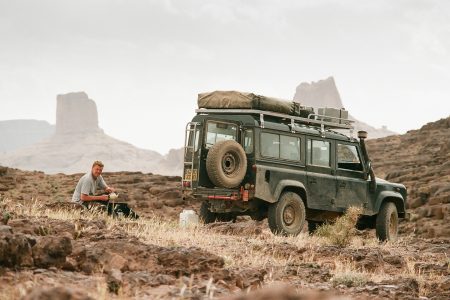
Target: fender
{"x": 287, "y": 183}
{"x": 389, "y": 194}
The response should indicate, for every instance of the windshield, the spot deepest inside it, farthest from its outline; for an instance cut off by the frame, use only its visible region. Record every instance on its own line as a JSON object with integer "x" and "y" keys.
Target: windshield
{"x": 216, "y": 132}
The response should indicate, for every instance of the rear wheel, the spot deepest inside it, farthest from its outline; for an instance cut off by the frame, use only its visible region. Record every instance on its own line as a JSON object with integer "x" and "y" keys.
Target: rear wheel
{"x": 208, "y": 216}
{"x": 387, "y": 222}
{"x": 313, "y": 225}
{"x": 287, "y": 216}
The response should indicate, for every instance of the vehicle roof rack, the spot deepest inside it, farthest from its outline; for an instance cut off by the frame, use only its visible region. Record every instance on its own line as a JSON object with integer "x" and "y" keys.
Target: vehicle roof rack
{"x": 313, "y": 119}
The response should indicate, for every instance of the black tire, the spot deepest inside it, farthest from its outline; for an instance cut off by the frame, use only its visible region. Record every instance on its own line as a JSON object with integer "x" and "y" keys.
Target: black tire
{"x": 313, "y": 225}
{"x": 387, "y": 222}
{"x": 226, "y": 164}
{"x": 287, "y": 216}
{"x": 206, "y": 216}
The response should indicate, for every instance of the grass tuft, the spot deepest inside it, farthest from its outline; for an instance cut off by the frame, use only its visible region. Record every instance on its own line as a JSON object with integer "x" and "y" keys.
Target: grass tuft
{"x": 341, "y": 232}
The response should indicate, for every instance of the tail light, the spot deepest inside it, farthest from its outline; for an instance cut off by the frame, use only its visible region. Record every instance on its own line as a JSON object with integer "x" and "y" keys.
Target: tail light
{"x": 186, "y": 184}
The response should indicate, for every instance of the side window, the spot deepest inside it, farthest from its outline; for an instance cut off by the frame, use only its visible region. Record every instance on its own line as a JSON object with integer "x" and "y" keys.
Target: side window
{"x": 248, "y": 141}
{"x": 319, "y": 153}
{"x": 289, "y": 147}
{"x": 348, "y": 158}
{"x": 270, "y": 144}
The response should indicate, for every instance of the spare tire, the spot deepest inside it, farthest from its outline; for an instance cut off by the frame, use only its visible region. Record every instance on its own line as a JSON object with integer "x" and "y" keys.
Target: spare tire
{"x": 226, "y": 164}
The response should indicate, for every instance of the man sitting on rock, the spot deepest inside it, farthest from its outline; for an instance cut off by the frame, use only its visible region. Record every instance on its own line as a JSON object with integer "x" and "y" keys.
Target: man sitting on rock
{"x": 88, "y": 184}
{"x": 86, "y": 193}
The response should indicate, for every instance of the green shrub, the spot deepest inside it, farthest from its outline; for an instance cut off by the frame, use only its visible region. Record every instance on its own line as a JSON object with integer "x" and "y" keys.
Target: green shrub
{"x": 340, "y": 232}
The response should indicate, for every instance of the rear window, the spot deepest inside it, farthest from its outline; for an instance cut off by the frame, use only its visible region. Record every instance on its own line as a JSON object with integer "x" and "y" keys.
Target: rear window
{"x": 218, "y": 131}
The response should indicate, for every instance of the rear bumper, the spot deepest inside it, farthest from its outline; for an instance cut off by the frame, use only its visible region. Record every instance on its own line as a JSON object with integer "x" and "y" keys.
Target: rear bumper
{"x": 216, "y": 194}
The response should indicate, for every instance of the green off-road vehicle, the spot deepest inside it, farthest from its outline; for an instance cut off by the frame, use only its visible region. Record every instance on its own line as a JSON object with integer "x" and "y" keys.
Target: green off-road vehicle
{"x": 251, "y": 155}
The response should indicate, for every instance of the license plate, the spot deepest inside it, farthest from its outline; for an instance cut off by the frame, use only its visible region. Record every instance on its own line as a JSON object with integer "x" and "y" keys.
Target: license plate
{"x": 190, "y": 174}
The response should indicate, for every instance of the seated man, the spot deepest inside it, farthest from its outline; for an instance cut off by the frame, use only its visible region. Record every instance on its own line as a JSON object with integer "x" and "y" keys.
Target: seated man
{"x": 86, "y": 192}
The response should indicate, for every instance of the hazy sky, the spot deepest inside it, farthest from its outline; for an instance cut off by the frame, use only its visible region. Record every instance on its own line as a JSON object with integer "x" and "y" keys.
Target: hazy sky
{"x": 144, "y": 62}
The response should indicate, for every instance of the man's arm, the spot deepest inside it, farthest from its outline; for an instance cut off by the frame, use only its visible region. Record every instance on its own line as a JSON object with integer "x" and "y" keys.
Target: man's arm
{"x": 85, "y": 197}
{"x": 104, "y": 186}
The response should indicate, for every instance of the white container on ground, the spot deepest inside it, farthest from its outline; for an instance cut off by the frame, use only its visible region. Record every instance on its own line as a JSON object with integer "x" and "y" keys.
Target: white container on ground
{"x": 188, "y": 218}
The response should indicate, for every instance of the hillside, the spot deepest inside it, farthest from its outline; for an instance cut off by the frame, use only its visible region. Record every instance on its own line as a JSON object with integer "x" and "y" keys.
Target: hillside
{"x": 419, "y": 159}
{"x": 16, "y": 134}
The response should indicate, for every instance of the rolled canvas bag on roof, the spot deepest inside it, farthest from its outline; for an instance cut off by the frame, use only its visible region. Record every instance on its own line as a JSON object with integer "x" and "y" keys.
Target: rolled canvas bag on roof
{"x": 241, "y": 100}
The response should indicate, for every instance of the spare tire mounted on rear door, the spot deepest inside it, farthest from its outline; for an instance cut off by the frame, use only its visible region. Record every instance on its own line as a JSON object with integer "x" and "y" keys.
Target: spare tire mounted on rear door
{"x": 226, "y": 164}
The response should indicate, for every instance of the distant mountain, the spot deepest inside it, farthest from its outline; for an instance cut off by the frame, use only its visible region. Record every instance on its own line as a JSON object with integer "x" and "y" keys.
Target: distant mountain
{"x": 77, "y": 141}
{"x": 16, "y": 134}
{"x": 324, "y": 93}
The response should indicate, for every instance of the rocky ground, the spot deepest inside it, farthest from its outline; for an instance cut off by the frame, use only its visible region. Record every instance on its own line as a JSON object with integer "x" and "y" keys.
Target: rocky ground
{"x": 51, "y": 249}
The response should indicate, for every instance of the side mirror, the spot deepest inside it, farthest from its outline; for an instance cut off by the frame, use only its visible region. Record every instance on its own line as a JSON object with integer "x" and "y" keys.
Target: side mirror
{"x": 368, "y": 169}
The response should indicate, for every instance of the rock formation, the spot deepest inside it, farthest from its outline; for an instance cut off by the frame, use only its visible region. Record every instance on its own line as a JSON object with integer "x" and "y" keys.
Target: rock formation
{"x": 75, "y": 112}
{"x": 324, "y": 93}
{"x": 78, "y": 141}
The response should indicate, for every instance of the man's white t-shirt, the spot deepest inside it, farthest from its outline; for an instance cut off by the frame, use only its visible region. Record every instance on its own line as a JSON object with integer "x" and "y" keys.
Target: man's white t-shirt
{"x": 88, "y": 185}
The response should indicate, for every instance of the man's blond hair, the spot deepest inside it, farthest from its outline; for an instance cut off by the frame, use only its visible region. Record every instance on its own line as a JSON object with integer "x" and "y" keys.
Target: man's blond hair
{"x": 98, "y": 163}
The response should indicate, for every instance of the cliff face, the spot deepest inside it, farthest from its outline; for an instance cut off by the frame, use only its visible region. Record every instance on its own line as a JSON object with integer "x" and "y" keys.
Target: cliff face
{"x": 78, "y": 141}
{"x": 419, "y": 159}
{"x": 324, "y": 93}
{"x": 76, "y": 113}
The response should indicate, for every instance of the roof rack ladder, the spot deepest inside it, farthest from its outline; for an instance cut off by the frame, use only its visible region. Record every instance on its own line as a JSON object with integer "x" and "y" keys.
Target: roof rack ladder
{"x": 191, "y": 127}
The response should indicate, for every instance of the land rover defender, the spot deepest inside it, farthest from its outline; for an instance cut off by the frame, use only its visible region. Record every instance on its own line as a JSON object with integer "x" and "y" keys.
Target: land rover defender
{"x": 251, "y": 155}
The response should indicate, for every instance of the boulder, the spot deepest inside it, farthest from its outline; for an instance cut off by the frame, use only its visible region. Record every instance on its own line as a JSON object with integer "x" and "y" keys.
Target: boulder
{"x": 15, "y": 249}
{"x": 52, "y": 250}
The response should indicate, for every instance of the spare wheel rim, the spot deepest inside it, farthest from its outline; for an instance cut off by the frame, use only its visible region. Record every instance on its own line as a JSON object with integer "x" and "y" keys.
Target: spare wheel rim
{"x": 230, "y": 163}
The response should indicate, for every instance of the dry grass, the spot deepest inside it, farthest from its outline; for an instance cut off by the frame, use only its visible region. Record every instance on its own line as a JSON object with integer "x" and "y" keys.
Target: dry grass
{"x": 341, "y": 232}
{"x": 239, "y": 251}
{"x": 345, "y": 273}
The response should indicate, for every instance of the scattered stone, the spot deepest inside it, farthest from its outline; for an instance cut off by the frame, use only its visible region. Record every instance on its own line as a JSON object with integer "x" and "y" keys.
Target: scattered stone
{"x": 52, "y": 250}
{"x": 15, "y": 250}
{"x": 57, "y": 293}
{"x": 114, "y": 281}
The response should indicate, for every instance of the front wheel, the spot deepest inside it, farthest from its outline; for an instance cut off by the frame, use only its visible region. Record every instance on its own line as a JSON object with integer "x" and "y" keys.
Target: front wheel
{"x": 287, "y": 216}
{"x": 387, "y": 222}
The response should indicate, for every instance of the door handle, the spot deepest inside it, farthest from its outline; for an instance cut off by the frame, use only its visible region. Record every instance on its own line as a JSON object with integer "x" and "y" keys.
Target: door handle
{"x": 342, "y": 184}
{"x": 312, "y": 181}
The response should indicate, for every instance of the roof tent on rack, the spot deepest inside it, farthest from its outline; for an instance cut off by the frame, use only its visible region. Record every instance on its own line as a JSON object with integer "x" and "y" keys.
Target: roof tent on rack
{"x": 234, "y": 102}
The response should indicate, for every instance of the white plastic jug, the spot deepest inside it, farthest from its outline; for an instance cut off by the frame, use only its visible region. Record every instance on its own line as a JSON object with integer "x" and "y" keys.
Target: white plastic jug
{"x": 188, "y": 218}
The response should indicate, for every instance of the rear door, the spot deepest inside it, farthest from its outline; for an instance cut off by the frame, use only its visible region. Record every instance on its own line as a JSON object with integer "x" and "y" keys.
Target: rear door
{"x": 215, "y": 131}
{"x": 321, "y": 181}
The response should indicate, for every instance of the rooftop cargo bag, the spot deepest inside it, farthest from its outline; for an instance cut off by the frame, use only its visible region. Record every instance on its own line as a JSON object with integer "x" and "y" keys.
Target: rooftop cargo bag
{"x": 241, "y": 100}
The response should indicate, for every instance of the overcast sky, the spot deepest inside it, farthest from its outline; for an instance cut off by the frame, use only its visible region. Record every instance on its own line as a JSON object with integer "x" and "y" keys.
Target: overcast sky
{"x": 144, "y": 62}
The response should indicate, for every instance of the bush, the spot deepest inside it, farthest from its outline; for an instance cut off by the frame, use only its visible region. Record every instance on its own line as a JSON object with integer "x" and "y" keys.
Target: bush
{"x": 340, "y": 232}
